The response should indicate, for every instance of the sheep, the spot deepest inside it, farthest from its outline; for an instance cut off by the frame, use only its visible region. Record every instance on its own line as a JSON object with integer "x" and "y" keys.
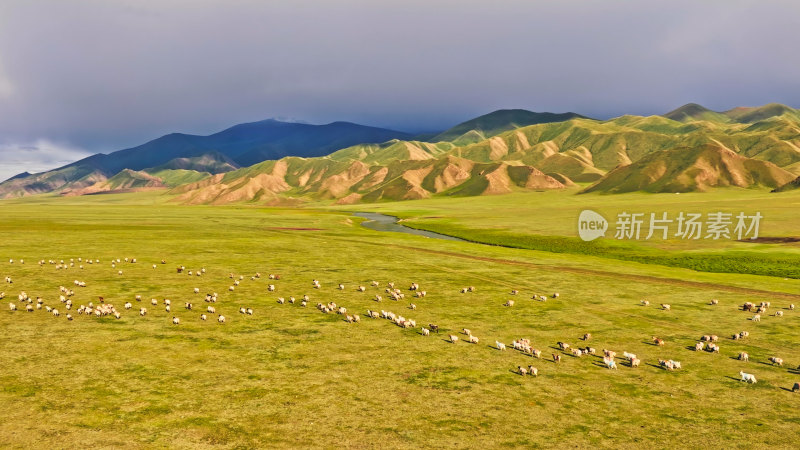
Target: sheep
{"x": 714, "y": 302}
{"x": 210, "y": 309}
{"x": 628, "y": 356}
{"x": 471, "y": 289}
{"x": 196, "y": 290}
{"x": 466, "y": 331}
{"x": 453, "y": 338}
{"x": 576, "y": 352}
{"x": 167, "y": 308}
{"x": 665, "y": 307}
{"x": 675, "y": 364}
{"x": 117, "y": 315}
{"x": 56, "y": 313}
{"x": 281, "y": 301}
{"x": 271, "y": 287}
{"x": 743, "y": 356}
{"x": 426, "y": 332}
{"x": 714, "y": 338}
{"x": 609, "y": 353}
{"x": 610, "y": 363}
{"x": 434, "y": 328}
{"x": 666, "y": 364}
{"x": 658, "y": 341}
{"x": 378, "y": 298}
{"x": 563, "y": 345}
{"x": 533, "y": 371}
{"x": 756, "y": 318}
{"x": 748, "y": 377}
{"x": 514, "y": 292}
{"x": 556, "y": 295}
{"x": 249, "y": 311}
{"x": 509, "y": 303}
{"x": 775, "y": 360}
{"x": 463, "y": 290}
{"x": 522, "y": 371}
{"x": 778, "y": 313}
{"x": 645, "y": 303}
{"x": 221, "y": 319}
{"x": 231, "y": 288}
{"x": 69, "y": 316}
{"x": 635, "y": 362}
{"x": 473, "y": 339}
{"x": 500, "y": 345}
{"x": 412, "y": 307}
{"x": 698, "y": 346}
{"x": 589, "y": 351}
{"x": 556, "y": 358}
{"x": 536, "y": 353}
{"x": 791, "y": 307}
{"x": 176, "y": 321}
{"x": 796, "y": 387}
{"x": 587, "y": 336}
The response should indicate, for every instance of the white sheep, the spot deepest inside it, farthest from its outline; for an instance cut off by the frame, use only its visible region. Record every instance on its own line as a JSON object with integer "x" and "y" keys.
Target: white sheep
{"x": 142, "y": 311}
{"x": 426, "y": 332}
{"x": 221, "y": 319}
{"x": 748, "y": 377}
{"x": 453, "y": 338}
{"x": 756, "y": 318}
{"x": 500, "y": 345}
{"x": 203, "y": 317}
{"x": 176, "y": 321}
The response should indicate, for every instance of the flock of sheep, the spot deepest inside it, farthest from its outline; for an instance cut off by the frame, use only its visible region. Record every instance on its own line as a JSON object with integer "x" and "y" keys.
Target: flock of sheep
{"x": 707, "y": 343}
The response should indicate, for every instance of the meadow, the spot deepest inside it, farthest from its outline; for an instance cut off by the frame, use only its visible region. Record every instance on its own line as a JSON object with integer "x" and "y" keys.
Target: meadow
{"x": 290, "y": 376}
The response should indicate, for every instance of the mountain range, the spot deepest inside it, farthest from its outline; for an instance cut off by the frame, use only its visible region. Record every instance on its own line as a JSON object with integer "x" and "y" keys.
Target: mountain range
{"x": 689, "y": 149}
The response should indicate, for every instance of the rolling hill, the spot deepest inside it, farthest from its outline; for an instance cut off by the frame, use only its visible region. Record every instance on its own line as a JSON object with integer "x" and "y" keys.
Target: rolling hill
{"x": 494, "y": 123}
{"x": 237, "y": 146}
{"x": 689, "y": 149}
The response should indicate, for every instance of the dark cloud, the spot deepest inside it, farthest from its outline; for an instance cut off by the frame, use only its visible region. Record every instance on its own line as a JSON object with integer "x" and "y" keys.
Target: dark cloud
{"x": 104, "y": 75}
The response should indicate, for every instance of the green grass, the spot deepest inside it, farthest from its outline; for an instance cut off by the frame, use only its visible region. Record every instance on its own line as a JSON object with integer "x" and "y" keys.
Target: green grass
{"x": 547, "y": 221}
{"x": 294, "y": 377}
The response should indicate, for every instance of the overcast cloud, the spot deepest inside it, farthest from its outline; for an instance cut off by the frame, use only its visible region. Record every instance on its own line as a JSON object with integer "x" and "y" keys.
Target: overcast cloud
{"x": 100, "y": 75}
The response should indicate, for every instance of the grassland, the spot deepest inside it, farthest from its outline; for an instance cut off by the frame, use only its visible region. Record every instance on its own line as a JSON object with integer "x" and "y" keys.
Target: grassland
{"x": 294, "y": 377}
{"x": 547, "y": 221}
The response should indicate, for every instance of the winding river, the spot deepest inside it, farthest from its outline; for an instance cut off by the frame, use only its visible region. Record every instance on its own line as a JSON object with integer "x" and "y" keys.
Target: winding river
{"x": 382, "y": 222}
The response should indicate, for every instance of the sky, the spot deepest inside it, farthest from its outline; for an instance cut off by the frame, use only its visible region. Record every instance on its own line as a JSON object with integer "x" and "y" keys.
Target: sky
{"x": 85, "y": 76}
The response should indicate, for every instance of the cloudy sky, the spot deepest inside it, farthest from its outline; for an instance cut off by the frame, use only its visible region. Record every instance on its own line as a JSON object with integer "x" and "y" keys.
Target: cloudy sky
{"x": 85, "y": 76}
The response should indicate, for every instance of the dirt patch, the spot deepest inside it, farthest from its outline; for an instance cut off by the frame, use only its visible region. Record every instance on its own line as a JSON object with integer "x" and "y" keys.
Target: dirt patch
{"x": 772, "y": 240}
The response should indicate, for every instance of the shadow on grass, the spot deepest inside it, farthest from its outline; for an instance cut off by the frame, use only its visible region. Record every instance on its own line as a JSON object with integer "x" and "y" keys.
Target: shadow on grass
{"x": 733, "y": 378}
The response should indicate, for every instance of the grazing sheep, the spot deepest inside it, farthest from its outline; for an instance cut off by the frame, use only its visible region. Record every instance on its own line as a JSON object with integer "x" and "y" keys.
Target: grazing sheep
{"x": 281, "y": 301}
{"x": 361, "y": 289}
{"x": 533, "y": 371}
{"x": 249, "y": 311}
{"x": 69, "y": 316}
{"x": 500, "y": 345}
{"x": 509, "y": 303}
{"x": 609, "y": 354}
{"x": 665, "y": 307}
{"x": 714, "y": 301}
{"x": 778, "y": 313}
{"x": 587, "y": 336}
{"x": 536, "y": 353}
{"x": 743, "y": 356}
{"x": 176, "y": 321}
{"x": 412, "y": 307}
{"x": 756, "y": 318}
{"x": 425, "y": 331}
{"x": 271, "y": 287}
{"x": 167, "y": 308}
{"x": 563, "y": 345}
{"x": 645, "y": 303}
{"x": 522, "y": 371}
{"x": 556, "y": 295}
{"x": 117, "y": 315}
{"x": 791, "y": 307}
{"x": 466, "y": 331}
{"x": 576, "y": 352}
{"x": 453, "y": 338}
{"x": 221, "y": 319}
{"x": 203, "y": 317}
{"x": 796, "y": 387}
{"x": 775, "y": 360}
{"x": 514, "y": 292}
{"x": 610, "y": 363}
{"x": 635, "y": 362}
{"x": 56, "y": 314}
{"x": 211, "y": 309}
{"x": 666, "y": 364}
{"x": 748, "y": 377}
{"x": 698, "y": 346}
{"x": 434, "y": 328}
{"x": 556, "y": 358}
{"x": 473, "y": 339}
{"x": 658, "y": 341}
{"x": 29, "y": 307}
